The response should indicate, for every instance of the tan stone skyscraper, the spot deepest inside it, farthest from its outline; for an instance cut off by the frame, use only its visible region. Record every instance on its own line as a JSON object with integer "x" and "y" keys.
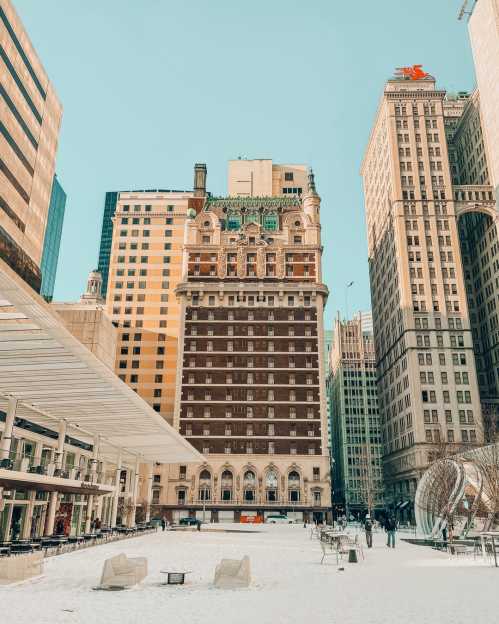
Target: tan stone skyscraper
{"x": 484, "y": 35}
{"x": 427, "y": 381}
{"x": 30, "y": 120}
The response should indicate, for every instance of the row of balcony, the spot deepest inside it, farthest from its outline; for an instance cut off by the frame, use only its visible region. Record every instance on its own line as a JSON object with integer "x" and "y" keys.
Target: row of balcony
{"x": 251, "y": 504}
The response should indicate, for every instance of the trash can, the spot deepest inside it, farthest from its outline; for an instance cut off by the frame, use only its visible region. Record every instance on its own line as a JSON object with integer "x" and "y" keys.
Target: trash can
{"x": 352, "y": 556}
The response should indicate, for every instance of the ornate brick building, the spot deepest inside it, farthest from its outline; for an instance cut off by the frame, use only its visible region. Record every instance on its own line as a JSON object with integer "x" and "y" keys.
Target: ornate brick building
{"x": 251, "y": 384}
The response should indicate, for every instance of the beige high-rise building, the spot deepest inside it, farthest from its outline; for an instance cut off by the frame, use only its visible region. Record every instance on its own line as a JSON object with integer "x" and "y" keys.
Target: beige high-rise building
{"x": 484, "y": 34}
{"x": 88, "y": 321}
{"x": 30, "y": 118}
{"x": 427, "y": 382}
{"x": 262, "y": 178}
{"x": 144, "y": 270}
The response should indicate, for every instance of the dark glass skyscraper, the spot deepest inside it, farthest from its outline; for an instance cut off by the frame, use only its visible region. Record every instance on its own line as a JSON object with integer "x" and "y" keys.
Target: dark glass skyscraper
{"x": 52, "y": 241}
{"x": 107, "y": 237}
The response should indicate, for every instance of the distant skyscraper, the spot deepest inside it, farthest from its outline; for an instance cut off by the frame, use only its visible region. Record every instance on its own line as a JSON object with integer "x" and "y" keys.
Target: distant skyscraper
{"x": 484, "y": 34}
{"x": 31, "y": 116}
{"x": 427, "y": 382}
{"x": 262, "y": 178}
{"x": 355, "y": 426}
{"x": 145, "y": 267}
{"x": 52, "y": 241}
{"x": 106, "y": 238}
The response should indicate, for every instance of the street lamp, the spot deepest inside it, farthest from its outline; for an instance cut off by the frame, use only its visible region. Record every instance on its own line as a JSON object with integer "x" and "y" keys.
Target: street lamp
{"x": 347, "y": 286}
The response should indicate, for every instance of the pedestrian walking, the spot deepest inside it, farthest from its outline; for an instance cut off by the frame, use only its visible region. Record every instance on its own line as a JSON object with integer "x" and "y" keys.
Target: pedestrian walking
{"x": 163, "y": 523}
{"x": 368, "y": 528}
{"x": 198, "y": 523}
{"x": 390, "y": 528}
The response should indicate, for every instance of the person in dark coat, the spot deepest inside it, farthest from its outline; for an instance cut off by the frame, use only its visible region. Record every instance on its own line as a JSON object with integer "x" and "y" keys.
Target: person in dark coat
{"x": 390, "y": 528}
{"x": 163, "y": 523}
{"x": 368, "y": 528}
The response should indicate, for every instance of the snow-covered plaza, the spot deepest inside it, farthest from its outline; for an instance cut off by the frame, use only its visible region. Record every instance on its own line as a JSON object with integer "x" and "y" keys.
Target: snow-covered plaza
{"x": 411, "y": 584}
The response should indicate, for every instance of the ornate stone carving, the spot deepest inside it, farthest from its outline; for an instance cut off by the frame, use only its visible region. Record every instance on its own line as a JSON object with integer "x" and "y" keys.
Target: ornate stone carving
{"x": 280, "y": 264}
{"x": 241, "y": 265}
{"x": 222, "y": 264}
{"x": 260, "y": 262}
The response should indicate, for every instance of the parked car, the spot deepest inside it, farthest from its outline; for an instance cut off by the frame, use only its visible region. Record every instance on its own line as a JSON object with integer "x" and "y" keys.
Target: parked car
{"x": 188, "y": 521}
{"x": 278, "y": 519}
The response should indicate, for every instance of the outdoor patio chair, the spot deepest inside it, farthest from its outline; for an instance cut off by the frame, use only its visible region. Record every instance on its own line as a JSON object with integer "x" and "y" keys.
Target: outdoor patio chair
{"x": 329, "y": 550}
{"x": 357, "y": 544}
{"x": 460, "y": 549}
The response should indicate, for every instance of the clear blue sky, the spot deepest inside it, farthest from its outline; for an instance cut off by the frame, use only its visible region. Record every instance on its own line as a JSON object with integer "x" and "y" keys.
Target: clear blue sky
{"x": 150, "y": 87}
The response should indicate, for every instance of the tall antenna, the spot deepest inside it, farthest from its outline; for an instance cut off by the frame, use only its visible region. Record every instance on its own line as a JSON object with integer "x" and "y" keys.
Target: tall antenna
{"x": 464, "y": 10}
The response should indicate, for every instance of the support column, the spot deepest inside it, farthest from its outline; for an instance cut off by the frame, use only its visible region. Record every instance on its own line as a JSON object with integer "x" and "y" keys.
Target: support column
{"x": 149, "y": 492}
{"x": 5, "y": 442}
{"x": 49, "y": 523}
{"x": 30, "y": 509}
{"x": 116, "y": 496}
{"x": 135, "y": 491}
{"x": 93, "y": 475}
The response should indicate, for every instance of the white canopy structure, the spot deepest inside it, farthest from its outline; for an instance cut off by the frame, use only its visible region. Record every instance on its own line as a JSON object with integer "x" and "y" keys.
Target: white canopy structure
{"x": 459, "y": 489}
{"x": 55, "y": 379}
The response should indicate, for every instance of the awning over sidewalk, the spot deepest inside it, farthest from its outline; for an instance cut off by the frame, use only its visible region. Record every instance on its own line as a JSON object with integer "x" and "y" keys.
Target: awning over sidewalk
{"x": 54, "y": 378}
{"x": 25, "y": 480}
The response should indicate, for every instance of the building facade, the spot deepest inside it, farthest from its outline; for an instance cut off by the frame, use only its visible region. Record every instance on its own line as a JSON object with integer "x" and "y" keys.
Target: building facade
{"x": 263, "y": 178}
{"x": 106, "y": 239}
{"x": 52, "y": 241}
{"x": 88, "y": 321}
{"x": 251, "y": 386}
{"x": 31, "y": 117}
{"x": 145, "y": 267}
{"x": 355, "y": 425}
{"x": 484, "y": 35}
{"x": 427, "y": 381}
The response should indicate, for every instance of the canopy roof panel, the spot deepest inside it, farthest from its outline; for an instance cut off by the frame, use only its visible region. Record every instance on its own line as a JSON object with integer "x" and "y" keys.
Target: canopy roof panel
{"x": 54, "y": 377}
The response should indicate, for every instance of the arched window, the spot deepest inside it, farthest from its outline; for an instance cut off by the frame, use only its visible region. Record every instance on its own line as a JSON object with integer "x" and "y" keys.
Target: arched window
{"x": 293, "y": 487}
{"x": 205, "y": 475}
{"x": 226, "y": 485}
{"x": 249, "y": 486}
{"x": 271, "y": 485}
{"x": 204, "y": 493}
{"x": 293, "y": 478}
{"x": 249, "y": 477}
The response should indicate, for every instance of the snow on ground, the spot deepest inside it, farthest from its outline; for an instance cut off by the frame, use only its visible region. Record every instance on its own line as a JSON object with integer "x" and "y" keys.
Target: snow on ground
{"x": 409, "y": 585}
